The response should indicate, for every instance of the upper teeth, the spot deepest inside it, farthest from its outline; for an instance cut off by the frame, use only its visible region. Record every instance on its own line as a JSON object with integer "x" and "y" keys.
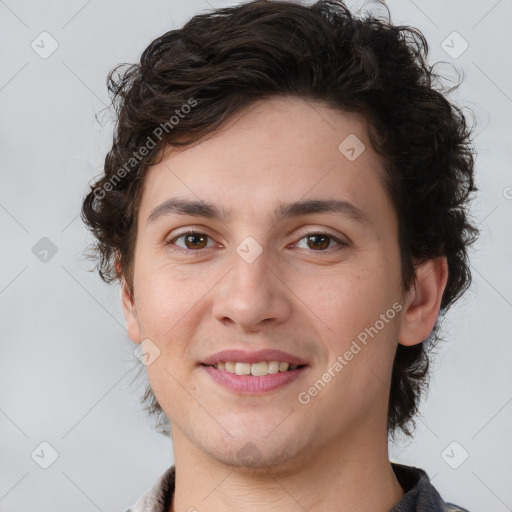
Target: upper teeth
{"x": 256, "y": 369}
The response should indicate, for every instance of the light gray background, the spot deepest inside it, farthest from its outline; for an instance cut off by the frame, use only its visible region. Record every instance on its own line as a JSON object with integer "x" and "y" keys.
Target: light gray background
{"x": 66, "y": 368}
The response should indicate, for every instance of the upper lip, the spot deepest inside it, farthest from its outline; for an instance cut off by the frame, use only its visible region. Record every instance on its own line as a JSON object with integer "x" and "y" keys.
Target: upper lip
{"x": 244, "y": 356}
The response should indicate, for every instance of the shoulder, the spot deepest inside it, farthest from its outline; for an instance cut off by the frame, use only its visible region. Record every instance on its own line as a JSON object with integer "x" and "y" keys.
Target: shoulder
{"x": 450, "y": 507}
{"x": 419, "y": 493}
{"x": 158, "y": 498}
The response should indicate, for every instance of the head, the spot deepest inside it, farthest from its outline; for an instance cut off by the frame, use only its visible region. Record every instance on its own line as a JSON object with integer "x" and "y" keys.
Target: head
{"x": 257, "y": 106}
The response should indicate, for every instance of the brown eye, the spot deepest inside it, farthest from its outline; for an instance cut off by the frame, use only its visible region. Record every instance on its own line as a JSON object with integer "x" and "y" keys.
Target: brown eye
{"x": 318, "y": 241}
{"x": 191, "y": 241}
{"x": 195, "y": 241}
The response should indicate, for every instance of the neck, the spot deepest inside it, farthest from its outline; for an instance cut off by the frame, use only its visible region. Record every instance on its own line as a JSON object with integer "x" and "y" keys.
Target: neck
{"x": 351, "y": 474}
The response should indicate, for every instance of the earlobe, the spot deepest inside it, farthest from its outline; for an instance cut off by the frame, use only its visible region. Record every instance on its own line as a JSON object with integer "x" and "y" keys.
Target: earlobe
{"x": 130, "y": 312}
{"x": 423, "y": 301}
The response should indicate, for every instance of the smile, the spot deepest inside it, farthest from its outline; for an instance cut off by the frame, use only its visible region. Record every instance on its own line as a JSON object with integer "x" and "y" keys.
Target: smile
{"x": 239, "y": 377}
{"x": 256, "y": 369}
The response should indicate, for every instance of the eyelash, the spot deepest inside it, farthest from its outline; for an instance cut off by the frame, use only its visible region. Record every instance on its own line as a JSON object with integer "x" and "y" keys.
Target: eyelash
{"x": 340, "y": 243}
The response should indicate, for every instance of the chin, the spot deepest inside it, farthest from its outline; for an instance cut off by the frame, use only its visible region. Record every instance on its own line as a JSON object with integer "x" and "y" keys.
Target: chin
{"x": 257, "y": 455}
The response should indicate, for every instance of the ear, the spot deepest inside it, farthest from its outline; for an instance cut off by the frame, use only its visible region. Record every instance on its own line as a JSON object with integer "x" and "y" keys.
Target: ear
{"x": 130, "y": 312}
{"x": 423, "y": 301}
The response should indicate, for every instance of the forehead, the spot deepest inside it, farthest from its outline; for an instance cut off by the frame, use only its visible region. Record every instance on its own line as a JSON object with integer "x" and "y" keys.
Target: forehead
{"x": 279, "y": 148}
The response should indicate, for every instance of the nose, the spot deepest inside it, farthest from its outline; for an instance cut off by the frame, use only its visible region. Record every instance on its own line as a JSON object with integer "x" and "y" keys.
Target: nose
{"x": 252, "y": 295}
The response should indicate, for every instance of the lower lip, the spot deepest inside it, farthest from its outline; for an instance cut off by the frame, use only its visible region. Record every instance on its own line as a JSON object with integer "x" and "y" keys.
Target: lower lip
{"x": 250, "y": 384}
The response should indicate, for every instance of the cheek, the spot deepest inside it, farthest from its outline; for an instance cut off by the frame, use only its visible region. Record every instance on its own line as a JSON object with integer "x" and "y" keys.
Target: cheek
{"x": 348, "y": 299}
{"x": 163, "y": 298}
{"x": 351, "y": 305}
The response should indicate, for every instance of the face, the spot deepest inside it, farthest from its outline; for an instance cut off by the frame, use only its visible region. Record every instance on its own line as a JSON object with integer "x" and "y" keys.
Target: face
{"x": 310, "y": 282}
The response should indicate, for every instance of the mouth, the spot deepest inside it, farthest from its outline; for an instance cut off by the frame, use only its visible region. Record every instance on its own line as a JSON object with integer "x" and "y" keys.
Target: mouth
{"x": 238, "y": 377}
{"x": 257, "y": 369}
{"x": 254, "y": 372}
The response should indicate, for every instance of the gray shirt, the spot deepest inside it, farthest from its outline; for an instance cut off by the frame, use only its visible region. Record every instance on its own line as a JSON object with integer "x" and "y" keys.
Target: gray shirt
{"x": 420, "y": 495}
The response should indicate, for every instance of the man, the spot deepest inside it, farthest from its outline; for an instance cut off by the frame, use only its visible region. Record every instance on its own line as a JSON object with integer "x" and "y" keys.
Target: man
{"x": 285, "y": 206}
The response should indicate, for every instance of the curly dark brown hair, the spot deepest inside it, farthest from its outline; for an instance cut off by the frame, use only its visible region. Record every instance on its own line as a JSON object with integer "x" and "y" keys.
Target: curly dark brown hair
{"x": 192, "y": 80}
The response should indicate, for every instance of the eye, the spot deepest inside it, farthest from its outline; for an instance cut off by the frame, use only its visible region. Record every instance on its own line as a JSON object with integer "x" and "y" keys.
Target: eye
{"x": 193, "y": 240}
{"x": 320, "y": 241}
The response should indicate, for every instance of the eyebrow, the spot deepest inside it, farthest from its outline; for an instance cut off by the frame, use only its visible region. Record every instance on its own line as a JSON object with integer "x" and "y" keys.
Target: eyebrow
{"x": 283, "y": 211}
